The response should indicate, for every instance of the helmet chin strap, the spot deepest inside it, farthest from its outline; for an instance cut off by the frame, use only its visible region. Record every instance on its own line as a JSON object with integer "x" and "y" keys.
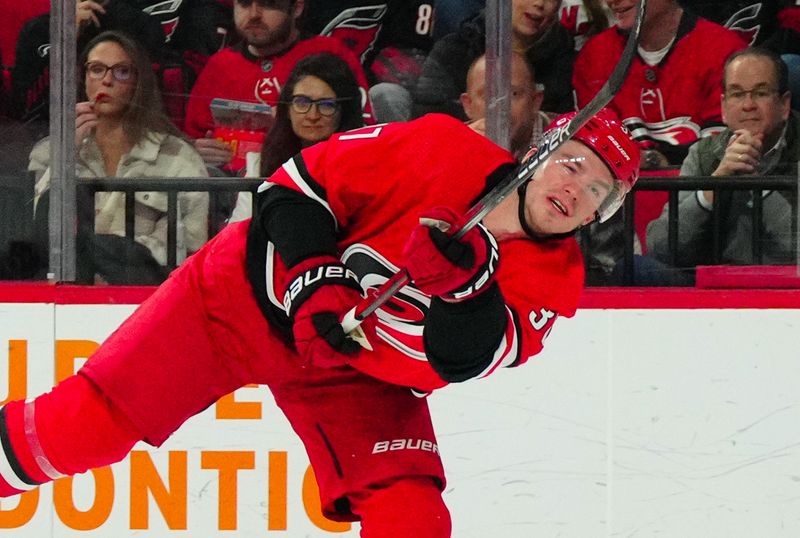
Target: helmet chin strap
{"x": 521, "y": 190}
{"x": 523, "y": 222}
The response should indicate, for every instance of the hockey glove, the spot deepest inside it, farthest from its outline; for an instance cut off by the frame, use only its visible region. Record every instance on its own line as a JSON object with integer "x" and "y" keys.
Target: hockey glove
{"x": 319, "y": 292}
{"x": 442, "y": 266}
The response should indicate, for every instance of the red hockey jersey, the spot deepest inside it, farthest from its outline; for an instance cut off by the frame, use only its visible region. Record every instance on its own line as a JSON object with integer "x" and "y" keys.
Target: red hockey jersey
{"x": 376, "y": 181}
{"x": 669, "y": 105}
{"x": 234, "y": 73}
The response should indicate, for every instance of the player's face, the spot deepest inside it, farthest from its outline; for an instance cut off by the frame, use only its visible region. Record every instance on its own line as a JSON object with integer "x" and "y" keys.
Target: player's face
{"x": 567, "y": 190}
{"x": 317, "y": 123}
{"x": 265, "y": 24}
{"x": 751, "y": 99}
{"x": 529, "y": 18}
{"x": 110, "y": 78}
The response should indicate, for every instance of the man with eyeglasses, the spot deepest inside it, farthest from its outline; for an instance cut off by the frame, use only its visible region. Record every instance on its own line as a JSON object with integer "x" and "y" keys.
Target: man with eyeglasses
{"x": 255, "y": 69}
{"x": 761, "y": 138}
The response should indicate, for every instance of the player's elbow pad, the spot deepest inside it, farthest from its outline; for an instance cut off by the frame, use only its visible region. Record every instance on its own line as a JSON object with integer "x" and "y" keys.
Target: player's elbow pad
{"x": 462, "y": 338}
{"x": 300, "y": 227}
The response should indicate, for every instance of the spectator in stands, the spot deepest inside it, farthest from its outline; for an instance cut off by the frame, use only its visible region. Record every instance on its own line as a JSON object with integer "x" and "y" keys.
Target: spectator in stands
{"x": 320, "y": 98}
{"x": 762, "y": 138}
{"x": 670, "y": 96}
{"x": 256, "y": 69}
{"x": 121, "y": 131}
{"x": 15, "y": 16}
{"x": 31, "y": 77}
{"x": 584, "y": 19}
{"x": 581, "y": 18}
{"x": 390, "y": 38}
{"x": 535, "y": 33}
{"x": 451, "y": 13}
{"x": 768, "y": 24}
{"x": 368, "y": 27}
{"x": 758, "y": 22}
{"x": 527, "y": 120}
{"x": 193, "y": 29}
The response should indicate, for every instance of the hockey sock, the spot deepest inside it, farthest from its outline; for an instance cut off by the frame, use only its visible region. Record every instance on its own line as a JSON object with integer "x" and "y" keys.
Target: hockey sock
{"x": 66, "y": 431}
{"x": 406, "y": 507}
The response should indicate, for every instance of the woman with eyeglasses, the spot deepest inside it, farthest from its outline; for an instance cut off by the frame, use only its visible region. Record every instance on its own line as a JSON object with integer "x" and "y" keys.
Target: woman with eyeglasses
{"x": 122, "y": 131}
{"x": 321, "y": 97}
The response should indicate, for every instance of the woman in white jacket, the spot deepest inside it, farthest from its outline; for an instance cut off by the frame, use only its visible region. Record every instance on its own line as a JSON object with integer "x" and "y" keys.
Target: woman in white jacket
{"x": 122, "y": 131}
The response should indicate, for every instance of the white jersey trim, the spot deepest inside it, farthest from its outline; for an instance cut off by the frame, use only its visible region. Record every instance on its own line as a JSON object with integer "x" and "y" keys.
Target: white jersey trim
{"x": 507, "y": 351}
{"x": 269, "y": 277}
{"x": 291, "y": 169}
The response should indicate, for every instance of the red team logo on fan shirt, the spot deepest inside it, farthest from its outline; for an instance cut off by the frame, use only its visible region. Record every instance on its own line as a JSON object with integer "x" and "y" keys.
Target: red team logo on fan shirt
{"x": 680, "y": 130}
{"x": 267, "y": 90}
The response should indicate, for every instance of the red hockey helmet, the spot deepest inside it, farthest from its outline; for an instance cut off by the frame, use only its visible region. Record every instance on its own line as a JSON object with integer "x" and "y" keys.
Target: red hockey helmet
{"x": 611, "y": 141}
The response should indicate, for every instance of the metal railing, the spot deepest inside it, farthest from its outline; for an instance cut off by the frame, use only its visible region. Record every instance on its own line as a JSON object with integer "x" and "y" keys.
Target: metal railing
{"x": 675, "y": 184}
{"x": 88, "y": 187}
{"x": 671, "y": 184}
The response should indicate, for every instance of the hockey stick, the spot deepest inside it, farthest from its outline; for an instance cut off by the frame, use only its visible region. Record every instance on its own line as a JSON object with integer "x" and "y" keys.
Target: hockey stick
{"x": 509, "y": 184}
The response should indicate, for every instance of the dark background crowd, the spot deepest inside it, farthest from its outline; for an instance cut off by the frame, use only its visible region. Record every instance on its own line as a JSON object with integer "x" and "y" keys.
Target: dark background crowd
{"x": 197, "y": 88}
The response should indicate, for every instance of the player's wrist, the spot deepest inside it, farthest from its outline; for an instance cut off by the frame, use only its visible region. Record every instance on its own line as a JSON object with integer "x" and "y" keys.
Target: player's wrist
{"x": 485, "y": 269}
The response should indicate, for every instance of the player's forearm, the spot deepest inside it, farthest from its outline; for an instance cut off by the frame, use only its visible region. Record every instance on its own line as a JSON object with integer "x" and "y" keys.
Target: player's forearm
{"x": 461, "y": 339}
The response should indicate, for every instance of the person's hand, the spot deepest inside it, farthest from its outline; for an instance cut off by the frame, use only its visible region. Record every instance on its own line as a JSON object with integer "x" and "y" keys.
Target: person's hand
{"x": 86, "y": 13}
{"x": 214, "y": 152}
{"x": 443, "y": 266}
{"x": 742, "y": 155}
{"x": 319, "y": 292}
{"x": 85, "y": 121}
{"x": 652, "y": 159}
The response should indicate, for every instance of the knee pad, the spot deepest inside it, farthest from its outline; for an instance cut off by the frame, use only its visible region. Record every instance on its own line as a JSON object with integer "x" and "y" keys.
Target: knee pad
{"x": 405, "y": 507}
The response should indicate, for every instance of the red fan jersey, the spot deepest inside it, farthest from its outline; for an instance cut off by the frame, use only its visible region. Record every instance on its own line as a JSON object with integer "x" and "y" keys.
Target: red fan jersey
{"x": 669, "y": 105}
{"x": 376, "y": 182}
{"x": 15, "y": 15}
{"x": 234, "y": 73}
{"x": 367, "y": 26}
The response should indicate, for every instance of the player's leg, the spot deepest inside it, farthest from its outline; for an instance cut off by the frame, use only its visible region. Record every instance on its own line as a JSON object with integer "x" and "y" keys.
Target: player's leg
{"x": 372, "y": 447}
{"x": 66, "y": 431}
{"x": 410, "y": 506}
{"x": 167, "y": 362}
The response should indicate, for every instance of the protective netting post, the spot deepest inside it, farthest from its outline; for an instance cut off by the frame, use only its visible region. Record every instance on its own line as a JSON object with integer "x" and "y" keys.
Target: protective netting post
{"x": 63, "y": 207}
{"x": 498, "y": 71}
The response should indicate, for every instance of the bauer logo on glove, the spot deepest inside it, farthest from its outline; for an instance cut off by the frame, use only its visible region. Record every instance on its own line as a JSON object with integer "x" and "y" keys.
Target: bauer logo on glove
{"x": 307, "y": 281}
{"x": 319, "y": 292}
{"x": 453, "y": 269}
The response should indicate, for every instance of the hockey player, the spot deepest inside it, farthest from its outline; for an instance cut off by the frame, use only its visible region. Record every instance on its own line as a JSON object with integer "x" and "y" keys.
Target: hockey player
{"x": 261, "y": 303}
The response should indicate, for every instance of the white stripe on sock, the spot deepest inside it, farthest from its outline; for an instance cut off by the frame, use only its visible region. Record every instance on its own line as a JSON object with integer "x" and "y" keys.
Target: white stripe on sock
{"x": 33, "y": 442}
